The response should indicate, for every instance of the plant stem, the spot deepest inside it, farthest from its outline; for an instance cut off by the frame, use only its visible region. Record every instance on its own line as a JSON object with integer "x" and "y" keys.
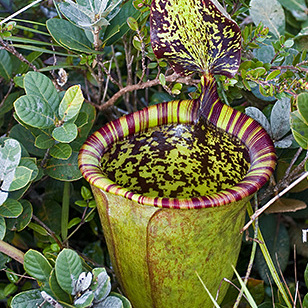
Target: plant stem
{"x": 65, "y": 210}
{"x": 270, "y": 263}
{"x": 12, "y": 252}
{"x": 130, "y": 88}
{"x": 50, "y": 232}
{"x": 83, "y": 220}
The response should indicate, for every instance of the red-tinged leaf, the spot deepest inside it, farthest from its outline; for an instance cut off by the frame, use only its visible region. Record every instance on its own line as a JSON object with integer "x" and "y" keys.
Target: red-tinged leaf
{"x": 195, "y": 36}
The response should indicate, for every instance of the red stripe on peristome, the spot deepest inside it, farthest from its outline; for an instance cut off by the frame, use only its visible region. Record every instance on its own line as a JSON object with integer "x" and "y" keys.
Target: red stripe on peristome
{"x": 106, "y": 133}
{"x": 83, "y": 153}
{"x": 130, "y": 123}
{"x": 231, "y": 120}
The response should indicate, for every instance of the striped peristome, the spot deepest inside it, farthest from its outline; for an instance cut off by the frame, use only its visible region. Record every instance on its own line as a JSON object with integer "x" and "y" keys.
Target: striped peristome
{"x": 194, "y": 36}
{"x": 183, "y": 112}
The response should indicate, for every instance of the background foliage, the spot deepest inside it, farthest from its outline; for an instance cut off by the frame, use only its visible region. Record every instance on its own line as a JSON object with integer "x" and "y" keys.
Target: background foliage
{"x": 67, "y": 68}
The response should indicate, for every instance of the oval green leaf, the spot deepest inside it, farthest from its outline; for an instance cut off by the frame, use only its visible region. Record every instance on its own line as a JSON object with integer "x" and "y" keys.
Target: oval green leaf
{"x": 36, "y": 265}
{"x": 85, "y": 300}
{"x": 302, "y": 105}
{"x": 2, "y": 228}
{"x": 19, "y": 223}
{"x": 56, "y": 289}
{"x": 5, "y": 65}
{"x": 30, "y": 163}
{"x": 68, "y": 268}
{"x": 64, "y": 170}
{"x": 29, "y": 299}
{"x": 280, "y": 118}
{"x": 65, "y": 133}
{"x": 270, "y": 13}
{"x": 10, "y": 208}
{"x": 34, "y": 111}
{"x": 10, "y": 154}
{"x": 61, "y": 151}
{"x": 112, "y": 301}
{"x": 40, "y": 85}
{"x": 69, "y": 36}
{"x": 299, "y": 129}
{"x": 21, "y": 178}
{"x": 44, "y": 141}
{"x": 118, "y": 26}
{"x": 71, "y": 103}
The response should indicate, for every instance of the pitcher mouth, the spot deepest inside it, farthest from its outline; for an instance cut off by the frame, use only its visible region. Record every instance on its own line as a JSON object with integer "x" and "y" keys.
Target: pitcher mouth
{"x": 259, "y": 146}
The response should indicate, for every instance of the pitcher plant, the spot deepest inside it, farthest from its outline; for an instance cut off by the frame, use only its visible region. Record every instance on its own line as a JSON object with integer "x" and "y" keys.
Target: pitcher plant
{"x": 172, "y": 181}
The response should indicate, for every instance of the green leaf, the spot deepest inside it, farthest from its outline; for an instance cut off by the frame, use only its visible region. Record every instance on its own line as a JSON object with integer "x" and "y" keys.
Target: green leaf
{"x": 306, "y": 276}
{"x": 259, "y": 116}
{"x": 280, "y": 118}
{"x": 34, "y": 111}
{"x": 10, "y": 153}
{"x": 12, "y": 277}
{"x": 5, "y": 65}
{"x": 86, "y": 193}
{"x": 125, "y": 301}
{"x": 82, "y": 119}
{"x": 31, "y": 57}
{"x": 8, "y": 102}
{"x": 71, "y": 103}
{"x": 11, "y": 208}
{"x": 30, "y": 163}
{"x": 43, "y": 50}
{"x": 28, "y": 299}
{"x": 38, "y": 229}
{"x": 21, "y": 178}
{"x": 101, "y": 285}
{"x": 302, "y": 105}
{"x": 44, "y": 141}
{"x": 85, "y": 300}
{"x": 69, "y": 36}
{"x": 64, "y": 170}
{"x": 270, "y": 13}
{"x": 112, "y": 301}
{"x": 273, "y": 75}
{"x": 65, "y": 133}
{"x": 296, "y": 7}
{"x": 22, "y": 221}
{"x": 56, "y": 289}
{"x": 305, "y": 301}
{"x": 36, "y": 265}
{"x": 2, "y": 228}
{"x": 73, "y": 222}
{"x": 84, "y": 131}
{"x": 68, "y": 268}
{"x": 162, "y": 79}
{"x": 40, "y": 85}
{"x": 299, "y": 129}
{"x": 132, "y": 23}
{"x": 61, "y": 151}
{"x": 195, "y": 37}
{"x": 74, "y": 13}
{"x": 118, "y": 26}
{"x": 23, "y": 135}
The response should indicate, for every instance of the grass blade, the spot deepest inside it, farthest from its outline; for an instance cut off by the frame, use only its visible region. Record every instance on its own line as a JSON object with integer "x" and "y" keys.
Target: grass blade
{"x": 208, "y": 292}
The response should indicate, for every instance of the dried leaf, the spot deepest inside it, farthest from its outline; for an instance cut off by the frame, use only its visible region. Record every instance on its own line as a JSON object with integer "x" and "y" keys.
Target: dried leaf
{"x": 283, "y": 205}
